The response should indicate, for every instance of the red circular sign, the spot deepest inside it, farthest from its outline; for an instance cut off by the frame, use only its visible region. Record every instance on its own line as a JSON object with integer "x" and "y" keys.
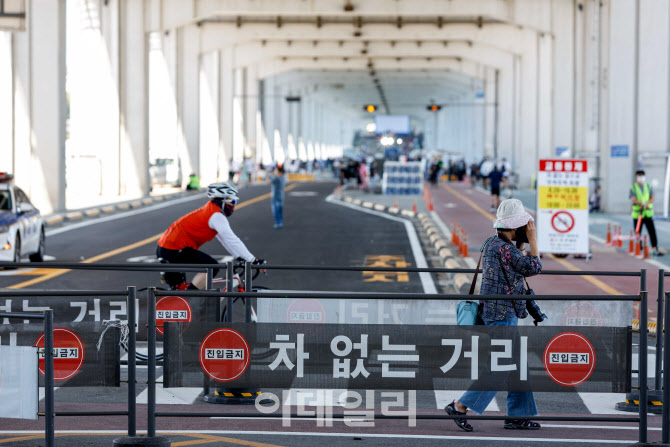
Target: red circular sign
{"x": 68, "y": 351}
{"x": 563, "y": 222}
{"x": 306, "y": 311}
{"x": 569, "y": 359}
{"x": 173, "y": 308}
{"x": 224, "y": 354}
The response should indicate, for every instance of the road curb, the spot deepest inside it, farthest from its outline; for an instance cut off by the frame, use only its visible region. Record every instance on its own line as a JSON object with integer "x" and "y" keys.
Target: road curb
{"x": 97, "y": 211}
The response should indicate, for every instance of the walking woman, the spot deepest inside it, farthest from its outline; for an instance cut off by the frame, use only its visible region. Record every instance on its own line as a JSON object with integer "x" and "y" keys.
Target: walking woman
{"x": 504, "y": 270}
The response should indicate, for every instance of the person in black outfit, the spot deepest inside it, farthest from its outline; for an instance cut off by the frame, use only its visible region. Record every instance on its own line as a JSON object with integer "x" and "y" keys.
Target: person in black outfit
{"x": 496, "y": 177}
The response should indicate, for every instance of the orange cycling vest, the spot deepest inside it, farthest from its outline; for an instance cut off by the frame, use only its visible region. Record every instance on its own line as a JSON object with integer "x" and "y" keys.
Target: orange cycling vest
{"x": 191, "y": 230}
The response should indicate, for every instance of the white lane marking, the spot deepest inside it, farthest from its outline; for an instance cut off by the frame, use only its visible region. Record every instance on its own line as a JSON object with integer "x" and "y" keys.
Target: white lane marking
{"x": 444, "y": 398}
{"x": 600, "y": 427}
{"x": 311, "y": 398}
{"x": 170, "y": 396}
{"x": 348, "y": 435}
{"x": 419, "y": 258}
{"x": 303, "y": 193}
{"x": 603, "y": 403}
{"x": 124, "y": 214}
{"x": 336, "y": 435}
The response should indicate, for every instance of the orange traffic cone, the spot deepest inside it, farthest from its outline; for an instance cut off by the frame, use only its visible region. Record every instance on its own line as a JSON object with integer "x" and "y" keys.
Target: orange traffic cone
{"x": 646, "y": 248}
{"x": 453, "y": 233}
{"x": 638, "y": 246}
{"x": 620, "y": 234}
{"x": 631, "y": 243}
{"x": 395, "y": 202}
{"x": 414, "y": 205}
{"x": 609, "y": 234}
{"x": 464, "y": 249}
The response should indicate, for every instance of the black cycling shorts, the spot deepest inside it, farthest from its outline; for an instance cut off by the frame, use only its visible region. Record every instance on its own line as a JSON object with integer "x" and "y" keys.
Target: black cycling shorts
{"x": 186, "y": 255}
{"x": 495, "y": 190}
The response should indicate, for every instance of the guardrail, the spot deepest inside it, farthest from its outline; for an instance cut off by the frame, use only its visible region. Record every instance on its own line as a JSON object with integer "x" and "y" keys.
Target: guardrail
{"x": 641, "y": 419}
{"x": 47, "y": 316}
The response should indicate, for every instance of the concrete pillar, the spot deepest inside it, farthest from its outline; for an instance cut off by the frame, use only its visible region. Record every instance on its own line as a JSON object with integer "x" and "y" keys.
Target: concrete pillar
{"x": 188, "y": 96}
{"x": 134, "y": 100}
{"x": 239, "y": 141}
{"x": 21, "y": 101}
{"x": 226, "y": 92}
{"x": 621, "y": 105}
{"x": 46, "y": 23}
{"x": 209, "y": 119}
{"x": 544, "y": 97}
{"x": 489, "y": 114}
{"x": 164, "y": 126}
{"x": 528, "y": 142}
{"x": 563, "y": 77}
{"x": 6, "y": 102}
{"x": 251, "y": 111}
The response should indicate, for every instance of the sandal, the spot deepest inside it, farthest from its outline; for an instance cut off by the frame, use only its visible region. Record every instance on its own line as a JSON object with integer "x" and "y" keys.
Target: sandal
{"x": 521, "y": 424}
{"x": 462, "y": 423}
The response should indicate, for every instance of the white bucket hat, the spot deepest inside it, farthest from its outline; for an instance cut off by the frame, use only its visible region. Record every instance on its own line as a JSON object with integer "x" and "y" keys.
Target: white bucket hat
{"x": 511, "y": 215}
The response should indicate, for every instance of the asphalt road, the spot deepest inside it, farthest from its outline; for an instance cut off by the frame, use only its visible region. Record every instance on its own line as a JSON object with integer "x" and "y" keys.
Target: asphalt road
{"x": 316, "y": 233}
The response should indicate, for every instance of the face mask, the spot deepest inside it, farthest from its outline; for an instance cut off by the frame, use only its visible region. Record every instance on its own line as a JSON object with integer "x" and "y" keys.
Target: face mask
{"x": 641, "y": 179}
{"x": 228, "y": 209}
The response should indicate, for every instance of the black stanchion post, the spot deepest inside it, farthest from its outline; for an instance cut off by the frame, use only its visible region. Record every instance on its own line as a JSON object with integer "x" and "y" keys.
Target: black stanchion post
{"x": 209, "y": 286}
{"x": 132, "y": 372}
{"x": 642, "y": 374}
{"x": 665, "y": 329}
{"x": 658, "y": 377}
{"x": 210, "y": 279}
{"x": 247, "y": 288}
{"x": 151, "y": 368}
{"x": 229, "y": 289}
{"x": 49, "y": 409}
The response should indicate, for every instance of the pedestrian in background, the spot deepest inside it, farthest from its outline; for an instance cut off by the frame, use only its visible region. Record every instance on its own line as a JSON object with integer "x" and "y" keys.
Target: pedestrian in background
{"x": 278, "y": 183}
{"x": 504, "y": 268}
{"x": 496, "y": 177}
{"x": 642, "y": 196}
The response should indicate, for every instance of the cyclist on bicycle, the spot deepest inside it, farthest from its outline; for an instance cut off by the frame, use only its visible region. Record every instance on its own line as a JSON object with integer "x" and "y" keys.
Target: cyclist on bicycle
{"x": 181, "y": 241}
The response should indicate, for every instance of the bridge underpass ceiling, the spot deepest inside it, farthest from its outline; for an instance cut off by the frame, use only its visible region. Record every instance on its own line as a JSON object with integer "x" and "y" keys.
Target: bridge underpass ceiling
{"x": 404, "y": 93}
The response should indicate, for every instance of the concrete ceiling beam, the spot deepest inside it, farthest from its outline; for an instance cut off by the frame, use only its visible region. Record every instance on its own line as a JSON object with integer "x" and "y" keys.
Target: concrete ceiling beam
{"x": 505, "y": 37}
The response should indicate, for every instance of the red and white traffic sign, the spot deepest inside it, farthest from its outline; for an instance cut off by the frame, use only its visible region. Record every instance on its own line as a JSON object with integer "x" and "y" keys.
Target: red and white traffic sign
{"x": 569, "y": 359}
{"x": 224, "y": 354}
{"x": 305, "y": 311}
{"x": 563, "y": 222}
{"x": 172, "y": 308}
{"x": 69, "y": 353}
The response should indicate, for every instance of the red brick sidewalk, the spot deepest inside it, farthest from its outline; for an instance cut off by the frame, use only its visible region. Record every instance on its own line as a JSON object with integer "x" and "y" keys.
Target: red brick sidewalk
{"x": 469, "y": 208}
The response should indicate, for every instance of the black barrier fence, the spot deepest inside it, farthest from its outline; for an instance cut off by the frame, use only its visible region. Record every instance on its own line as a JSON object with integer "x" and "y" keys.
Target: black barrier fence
{"x": 88, "y": 353}
{"x": 229, "y": 296}
{"x": 48, "y": 353}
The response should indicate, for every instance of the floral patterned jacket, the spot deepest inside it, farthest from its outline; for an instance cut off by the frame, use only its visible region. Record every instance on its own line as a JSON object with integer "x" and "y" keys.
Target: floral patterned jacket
{"x": 499, "y": 253}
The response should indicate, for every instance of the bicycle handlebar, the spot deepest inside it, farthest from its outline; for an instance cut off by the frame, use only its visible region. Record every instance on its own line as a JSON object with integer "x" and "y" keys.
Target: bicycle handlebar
{"x": 240, "y": 265}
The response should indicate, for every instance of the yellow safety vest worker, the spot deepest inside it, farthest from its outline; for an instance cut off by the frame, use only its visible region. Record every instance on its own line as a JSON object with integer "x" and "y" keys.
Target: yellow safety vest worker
{"x": 642, "y": 195}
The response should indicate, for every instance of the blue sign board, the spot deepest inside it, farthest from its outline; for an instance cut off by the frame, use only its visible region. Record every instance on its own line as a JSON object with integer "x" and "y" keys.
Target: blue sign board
{"x": 479, "y": 95}
{"x": 561, "y": 151}
{"x": 620, "y": 151}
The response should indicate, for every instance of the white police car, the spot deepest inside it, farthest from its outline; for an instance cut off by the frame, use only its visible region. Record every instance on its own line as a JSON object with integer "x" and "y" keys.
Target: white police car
{"x": 21, "y": 226}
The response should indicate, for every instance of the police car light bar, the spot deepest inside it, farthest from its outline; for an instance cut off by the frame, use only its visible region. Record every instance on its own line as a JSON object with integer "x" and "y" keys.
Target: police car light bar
{"x": 6, "y": 177}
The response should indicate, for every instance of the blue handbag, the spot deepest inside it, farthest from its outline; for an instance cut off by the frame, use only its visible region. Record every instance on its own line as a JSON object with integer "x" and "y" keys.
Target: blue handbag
{"x": 467, "y": 311}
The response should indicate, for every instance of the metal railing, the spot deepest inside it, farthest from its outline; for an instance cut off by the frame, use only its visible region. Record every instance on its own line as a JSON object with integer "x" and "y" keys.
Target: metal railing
{"x": 49, "y": 412}
{"x": 641, "y": 419}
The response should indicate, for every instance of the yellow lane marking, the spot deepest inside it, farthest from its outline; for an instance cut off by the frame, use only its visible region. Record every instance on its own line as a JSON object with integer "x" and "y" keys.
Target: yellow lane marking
{"x": 469, "y": 202}
{"x": 207, "y": 439}
{"x": 596, "y": 282}
{"x": 33, "y": 272}
{"x": 22, "y": 438}
{"x": 55, "y": 273}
